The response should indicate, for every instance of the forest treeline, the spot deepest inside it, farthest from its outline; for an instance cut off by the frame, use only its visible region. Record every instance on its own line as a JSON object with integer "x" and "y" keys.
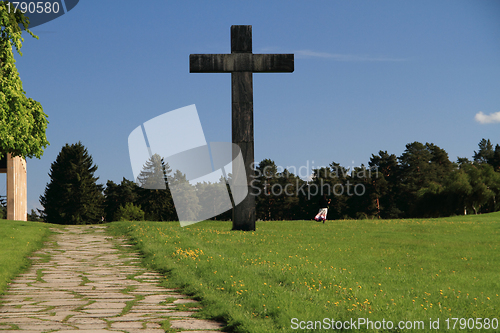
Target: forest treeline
{"x": 422, "y": 182}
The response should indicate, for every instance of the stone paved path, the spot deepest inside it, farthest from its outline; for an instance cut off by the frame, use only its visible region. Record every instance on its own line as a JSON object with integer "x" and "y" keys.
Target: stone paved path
{"x": 90, "y": 286}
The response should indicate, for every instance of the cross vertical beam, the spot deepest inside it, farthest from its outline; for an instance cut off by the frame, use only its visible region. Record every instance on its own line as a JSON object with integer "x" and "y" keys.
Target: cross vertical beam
{"x": 244, "y": 214}
{"x": 242, "y": 63}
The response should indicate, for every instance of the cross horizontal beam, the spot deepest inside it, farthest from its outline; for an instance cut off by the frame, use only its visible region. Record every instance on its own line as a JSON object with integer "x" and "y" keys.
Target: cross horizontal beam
{"x": 241, "y": 62}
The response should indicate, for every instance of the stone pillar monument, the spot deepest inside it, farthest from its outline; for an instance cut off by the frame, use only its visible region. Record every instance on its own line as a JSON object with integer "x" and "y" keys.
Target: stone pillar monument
{"x": 17, "y": 195}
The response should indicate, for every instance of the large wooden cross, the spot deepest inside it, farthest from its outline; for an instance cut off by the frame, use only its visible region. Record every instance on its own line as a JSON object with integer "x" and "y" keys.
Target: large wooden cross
{"x": 241, "y": 63}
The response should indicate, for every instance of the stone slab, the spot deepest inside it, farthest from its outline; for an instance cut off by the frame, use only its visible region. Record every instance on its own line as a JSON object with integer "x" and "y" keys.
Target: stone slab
{"x": 195, "y": 324}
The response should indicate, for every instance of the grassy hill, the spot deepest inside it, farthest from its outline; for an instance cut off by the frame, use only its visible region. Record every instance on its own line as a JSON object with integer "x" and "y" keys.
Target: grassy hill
{"x": 289, "y": 275}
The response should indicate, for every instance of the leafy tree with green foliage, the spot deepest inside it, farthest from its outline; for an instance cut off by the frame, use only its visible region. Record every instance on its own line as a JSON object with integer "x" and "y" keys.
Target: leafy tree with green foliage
{"x": 208, "y": 194}
{"x": 129, "y": 212}
{"x": 112, "y": 200}
{"x": 119, "y": 195}
{"x": 422, "y": 182}
{"x": 492, "y": 182}
{"x": 424, "y": 169}
{"x": 332, "y": 179}
{"x": 415, "y": 166}
{"x": 224, "y": 216}
{"x": 440, "y": 164}
{"x": 481, "y": 194}
{"x": 386, "y": 184}
{"x": 73, "y": 196}
{"x": 290, "y": 207}
{"x": 266, "y": 178}
{"x": 186, "y": 194}
{"x": 278, "y": 193}
{"x": 362, "y": 193}
{"x": 495, "y": 160}
{"x": 461, "y": 161}
{"x": 457, "y": 190}
{"x": 22, "y": 120}
{"x": 303, "y": 208}
{"x": 485, "y": 188}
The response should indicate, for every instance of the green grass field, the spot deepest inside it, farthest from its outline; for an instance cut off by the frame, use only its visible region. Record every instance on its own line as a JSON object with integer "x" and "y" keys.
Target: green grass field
{"x": 17, "y": 241}
{"x": 290, "y": 275}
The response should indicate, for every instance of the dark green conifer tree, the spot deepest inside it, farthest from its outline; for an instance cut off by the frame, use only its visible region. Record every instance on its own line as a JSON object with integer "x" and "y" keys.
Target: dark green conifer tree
{"x": 154, "y": 195}
{"x": 72, "y": 196}
{"x": 485, "y": 153}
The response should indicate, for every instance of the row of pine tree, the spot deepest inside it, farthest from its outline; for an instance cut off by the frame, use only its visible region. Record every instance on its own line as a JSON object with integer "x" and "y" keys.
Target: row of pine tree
{"x": 422, "y": 182}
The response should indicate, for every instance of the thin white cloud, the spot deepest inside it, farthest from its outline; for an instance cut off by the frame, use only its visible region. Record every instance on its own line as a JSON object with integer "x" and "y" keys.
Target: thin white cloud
{"x": 342, "y": 57}
{"x": 487, "y": 119}
{"x": 309, "y": 54}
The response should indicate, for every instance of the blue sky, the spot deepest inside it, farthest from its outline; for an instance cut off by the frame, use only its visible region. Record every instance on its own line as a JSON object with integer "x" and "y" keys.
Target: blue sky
{"x": 369, "y": 76}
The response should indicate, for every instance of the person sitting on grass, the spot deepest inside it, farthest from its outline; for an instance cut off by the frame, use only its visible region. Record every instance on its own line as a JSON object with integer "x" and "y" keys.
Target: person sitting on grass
{"x": 323, "y": 208}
